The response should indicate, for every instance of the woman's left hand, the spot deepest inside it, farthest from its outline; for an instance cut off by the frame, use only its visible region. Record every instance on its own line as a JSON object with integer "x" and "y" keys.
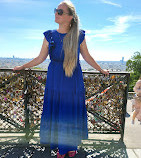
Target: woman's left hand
{"x": 105, "y": 72}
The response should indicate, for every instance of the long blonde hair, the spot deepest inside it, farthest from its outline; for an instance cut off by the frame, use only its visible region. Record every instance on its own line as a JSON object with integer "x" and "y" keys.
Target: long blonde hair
{"x": 70, "y": 42}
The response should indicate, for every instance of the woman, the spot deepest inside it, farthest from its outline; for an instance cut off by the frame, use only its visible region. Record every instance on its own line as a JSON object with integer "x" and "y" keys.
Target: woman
{"x": 136, "y": 104}
{"x": 64, "y": 116}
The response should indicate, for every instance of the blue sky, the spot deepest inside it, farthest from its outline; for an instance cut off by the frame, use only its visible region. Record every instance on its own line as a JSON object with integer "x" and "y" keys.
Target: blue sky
{"x": 113, "y": 27}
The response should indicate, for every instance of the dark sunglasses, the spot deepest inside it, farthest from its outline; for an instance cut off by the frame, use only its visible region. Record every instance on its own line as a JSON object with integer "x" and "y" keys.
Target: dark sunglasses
{"x": 60, "y": 11}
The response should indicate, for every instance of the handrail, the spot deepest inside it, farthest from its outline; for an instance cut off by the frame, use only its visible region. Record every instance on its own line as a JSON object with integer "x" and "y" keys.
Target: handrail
{"x": 29, "y": 100}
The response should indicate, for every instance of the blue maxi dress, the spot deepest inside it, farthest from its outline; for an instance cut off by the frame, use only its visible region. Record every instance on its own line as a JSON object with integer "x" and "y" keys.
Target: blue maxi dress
{"x": 64, "y": 116}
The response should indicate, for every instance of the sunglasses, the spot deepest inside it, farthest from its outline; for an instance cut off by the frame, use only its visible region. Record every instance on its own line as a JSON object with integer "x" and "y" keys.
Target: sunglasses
{"x": 60, "y": 11}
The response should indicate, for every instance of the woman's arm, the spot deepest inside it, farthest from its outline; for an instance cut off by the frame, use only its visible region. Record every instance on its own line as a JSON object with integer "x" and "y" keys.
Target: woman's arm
{"x": 39, "y": 59}
{"x": 89, "y": 59}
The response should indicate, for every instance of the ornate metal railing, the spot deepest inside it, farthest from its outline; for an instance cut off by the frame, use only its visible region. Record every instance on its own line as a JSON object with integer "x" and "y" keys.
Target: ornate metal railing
{"x": 21, "y": 102}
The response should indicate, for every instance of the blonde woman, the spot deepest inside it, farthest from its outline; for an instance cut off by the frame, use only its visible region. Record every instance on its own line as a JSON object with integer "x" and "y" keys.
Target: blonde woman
{"x": 64, "y": 116}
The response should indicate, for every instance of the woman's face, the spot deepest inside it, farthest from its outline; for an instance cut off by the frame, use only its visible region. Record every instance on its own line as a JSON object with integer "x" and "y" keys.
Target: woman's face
{"x": 64, "y": 18}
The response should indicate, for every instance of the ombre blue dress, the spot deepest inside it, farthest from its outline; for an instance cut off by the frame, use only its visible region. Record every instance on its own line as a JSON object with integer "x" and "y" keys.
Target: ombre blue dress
{"x": 64, "y": 116}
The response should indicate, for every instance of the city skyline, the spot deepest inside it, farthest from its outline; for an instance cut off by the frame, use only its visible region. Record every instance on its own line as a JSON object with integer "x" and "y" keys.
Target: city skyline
{"x": 110, "y": 65}
{"x": 14, "y": 57}
{"x": 112, "y": 28}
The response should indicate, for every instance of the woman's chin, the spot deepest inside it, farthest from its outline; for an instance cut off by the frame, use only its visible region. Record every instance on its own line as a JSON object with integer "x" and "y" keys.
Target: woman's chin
{"x": 56, "y": 20}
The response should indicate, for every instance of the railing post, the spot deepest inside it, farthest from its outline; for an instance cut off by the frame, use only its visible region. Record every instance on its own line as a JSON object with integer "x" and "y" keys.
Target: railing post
{"x": 26, "y": 100}
{"x": 124, "y": 106}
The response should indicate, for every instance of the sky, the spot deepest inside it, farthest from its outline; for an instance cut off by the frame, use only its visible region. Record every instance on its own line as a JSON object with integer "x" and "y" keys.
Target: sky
{"x": 113, "y": 27}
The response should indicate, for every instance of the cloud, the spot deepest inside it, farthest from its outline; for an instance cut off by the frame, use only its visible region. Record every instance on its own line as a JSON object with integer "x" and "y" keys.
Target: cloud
{"x": 14, "y": 1}
{"x": 28, "y": 2}
{"x": 111, "y": 3}
{"x": 25, "y": 34}
{"x": 33, "y": 34}
{"x": 120, "y": 26}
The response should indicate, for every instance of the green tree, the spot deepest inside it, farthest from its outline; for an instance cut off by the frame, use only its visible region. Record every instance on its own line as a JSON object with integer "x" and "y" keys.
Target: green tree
{"x": 134, "y": 67}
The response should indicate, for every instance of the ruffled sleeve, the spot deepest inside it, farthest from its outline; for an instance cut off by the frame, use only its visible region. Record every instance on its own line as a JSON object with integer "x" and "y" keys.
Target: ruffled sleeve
{"x": 47, "y": 35}
{"x": 81, "y": 36}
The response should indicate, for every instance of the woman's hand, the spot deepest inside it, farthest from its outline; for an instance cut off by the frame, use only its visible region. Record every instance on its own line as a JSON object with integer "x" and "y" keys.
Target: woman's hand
{"x": 38, "y": 60}
{"x": 89, "y": 59}
{"x": 18, "y": 68}
{"x": 104, "y": 72}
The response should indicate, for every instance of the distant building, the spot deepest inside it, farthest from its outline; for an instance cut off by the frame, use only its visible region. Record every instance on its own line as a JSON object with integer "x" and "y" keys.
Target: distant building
{"x": 13, "y": 56}
{"x": 122, "y": 61}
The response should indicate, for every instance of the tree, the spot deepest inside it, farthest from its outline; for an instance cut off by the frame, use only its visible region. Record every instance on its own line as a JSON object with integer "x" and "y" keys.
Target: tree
{"x": 134, "y": 66}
